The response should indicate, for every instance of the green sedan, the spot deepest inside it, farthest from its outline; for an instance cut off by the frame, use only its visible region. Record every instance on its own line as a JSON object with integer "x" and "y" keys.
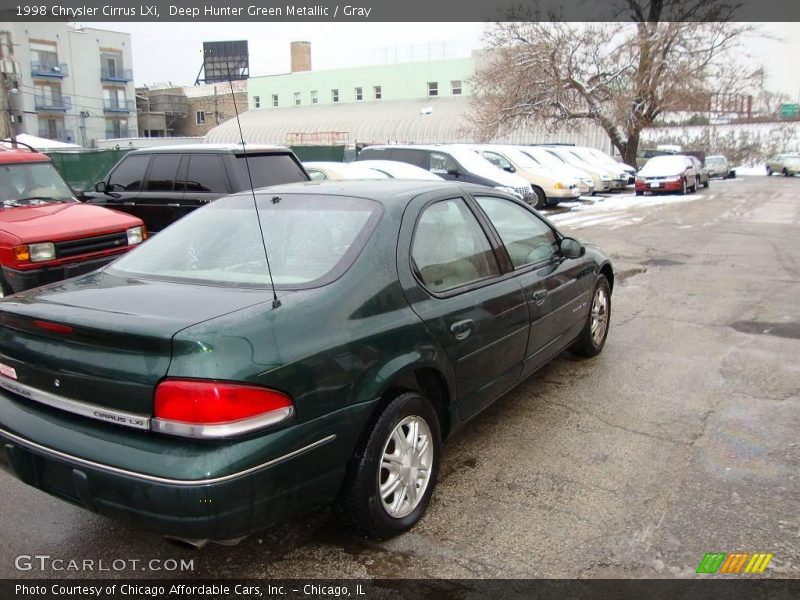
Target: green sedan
{"x": 203, "y": 391}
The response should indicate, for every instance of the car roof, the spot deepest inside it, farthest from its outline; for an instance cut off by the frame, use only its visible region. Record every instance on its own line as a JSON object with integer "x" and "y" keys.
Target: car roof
{"x": 9, "y": 156}
{"x": 214, "y": 149}
{"x": 389, "y": 192}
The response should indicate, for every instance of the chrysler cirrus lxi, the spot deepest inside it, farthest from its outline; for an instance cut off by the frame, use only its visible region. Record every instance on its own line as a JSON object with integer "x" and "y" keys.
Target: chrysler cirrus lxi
{"x": 179, "y": 389}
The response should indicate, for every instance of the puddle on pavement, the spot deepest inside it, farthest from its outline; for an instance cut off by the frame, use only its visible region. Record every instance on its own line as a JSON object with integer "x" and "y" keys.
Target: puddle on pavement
{"x": 785, "y": 330}
{"x": 622, "y": 276}
{"x": 661, "y": 262}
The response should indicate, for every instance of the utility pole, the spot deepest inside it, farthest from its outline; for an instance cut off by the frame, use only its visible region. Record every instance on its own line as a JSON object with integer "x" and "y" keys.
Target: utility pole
{"x": 216, "y": 108}
{"x": 10, "y": 98}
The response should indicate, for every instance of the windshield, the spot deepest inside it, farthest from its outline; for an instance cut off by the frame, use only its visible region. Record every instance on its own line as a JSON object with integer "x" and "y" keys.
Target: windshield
{"x": 523, "y": 160}
{"x": 664, "y": 165}
{"x": 474, "y": 163}
{"x": 311, "y": 240}
{"x": 715, "y": 160}
{"x": 24, "y": 184}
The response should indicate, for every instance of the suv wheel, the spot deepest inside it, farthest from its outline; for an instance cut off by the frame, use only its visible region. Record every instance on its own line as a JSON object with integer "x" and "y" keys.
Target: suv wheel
{"x": 393, "y": 472}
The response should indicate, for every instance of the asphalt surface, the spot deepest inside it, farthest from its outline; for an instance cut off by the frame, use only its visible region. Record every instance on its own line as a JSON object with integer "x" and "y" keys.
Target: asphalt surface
{"x": 681, "y": 438}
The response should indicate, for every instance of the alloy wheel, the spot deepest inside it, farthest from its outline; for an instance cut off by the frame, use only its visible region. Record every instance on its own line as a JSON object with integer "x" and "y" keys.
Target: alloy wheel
{"x": 599, "y": 316}
{"x": 405, "y": 468}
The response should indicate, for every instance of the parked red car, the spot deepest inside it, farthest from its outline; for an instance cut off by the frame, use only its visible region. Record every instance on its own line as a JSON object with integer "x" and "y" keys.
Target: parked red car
{"x": 46, "y": 234}
{"x": 672, "y": 173}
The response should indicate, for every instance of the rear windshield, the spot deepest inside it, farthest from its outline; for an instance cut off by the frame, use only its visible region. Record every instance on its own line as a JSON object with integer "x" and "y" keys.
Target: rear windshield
{"x": 311, "y": 240}
{"x": 267, "y": 169}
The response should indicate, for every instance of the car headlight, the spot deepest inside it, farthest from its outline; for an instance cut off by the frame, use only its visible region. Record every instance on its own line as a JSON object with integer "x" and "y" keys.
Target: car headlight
{"x": 605, "y": 177}
{"x": 508, "y": 190}
{"x": 135, "y": 235}
{"x": 43, "y": 251}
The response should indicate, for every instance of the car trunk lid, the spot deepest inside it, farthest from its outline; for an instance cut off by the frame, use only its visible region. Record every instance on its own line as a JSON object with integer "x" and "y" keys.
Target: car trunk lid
{"x": 103, "y": 340}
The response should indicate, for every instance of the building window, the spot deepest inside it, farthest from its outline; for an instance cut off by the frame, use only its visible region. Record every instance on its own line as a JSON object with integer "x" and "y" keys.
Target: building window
{"x": 297, "y": 98}
{"x": 200, "y": 117}
{"x": 257, "y": 101}
{"x": 334, "y": 95}
{"x": 433, "y": 88}
{"x": 274, "y": 99}
{"x": 455, "y": 87}
{"x": 111, "y": 66}
{"x": 314, "y": 97}
{"x": 378, "y": 92}
{"x": 359, "y": 94}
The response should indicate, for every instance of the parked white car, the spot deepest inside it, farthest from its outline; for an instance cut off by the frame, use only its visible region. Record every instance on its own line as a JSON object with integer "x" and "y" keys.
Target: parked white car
{"x": 399, "y": 170}
{"x": 613, "y": 179}
{"x": 324, "y": 170}
{"x": 609, "y": 161}
{"x": 550, "y": 184}
{"x": 545, "y": 156}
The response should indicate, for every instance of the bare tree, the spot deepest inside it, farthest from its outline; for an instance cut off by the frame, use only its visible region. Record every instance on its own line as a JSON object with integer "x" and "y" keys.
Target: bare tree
{"x": 620, "y": 76}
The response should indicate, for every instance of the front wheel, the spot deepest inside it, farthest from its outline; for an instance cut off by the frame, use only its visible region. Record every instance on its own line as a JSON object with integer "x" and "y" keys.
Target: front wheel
{"x": 684, "y": 187}
{"x": 541, "y": 199}
{"x": 769, "y": 171}
{"x": 392, "y": 475}
{"x": 593, "y": 336}
{"x": 785, "y": 172}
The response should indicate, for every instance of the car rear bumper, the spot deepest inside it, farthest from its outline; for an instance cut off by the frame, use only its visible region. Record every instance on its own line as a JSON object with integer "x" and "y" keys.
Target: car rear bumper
{"x": 20, "y": 280}
{"x": 186, "y": 489}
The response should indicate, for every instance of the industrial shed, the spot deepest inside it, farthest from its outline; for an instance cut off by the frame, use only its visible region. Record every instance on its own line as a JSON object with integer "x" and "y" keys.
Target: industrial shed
{"x": 424, "y": 121}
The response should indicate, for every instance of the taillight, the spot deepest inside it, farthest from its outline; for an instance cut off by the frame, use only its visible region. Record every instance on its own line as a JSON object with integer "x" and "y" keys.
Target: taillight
{"x": 204, "y": 408}
{"x": 54, "y": 327}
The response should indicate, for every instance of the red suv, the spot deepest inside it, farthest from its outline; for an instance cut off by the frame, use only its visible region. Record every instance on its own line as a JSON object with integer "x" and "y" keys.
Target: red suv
{"x": 46, "y": 234}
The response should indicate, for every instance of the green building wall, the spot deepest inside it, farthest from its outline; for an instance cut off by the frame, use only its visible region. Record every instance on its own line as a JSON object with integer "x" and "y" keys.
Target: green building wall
{"x": 405, "y": 81}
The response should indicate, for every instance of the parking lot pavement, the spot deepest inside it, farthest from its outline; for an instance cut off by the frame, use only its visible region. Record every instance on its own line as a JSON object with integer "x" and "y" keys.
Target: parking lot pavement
{"x": 679, "y": 439}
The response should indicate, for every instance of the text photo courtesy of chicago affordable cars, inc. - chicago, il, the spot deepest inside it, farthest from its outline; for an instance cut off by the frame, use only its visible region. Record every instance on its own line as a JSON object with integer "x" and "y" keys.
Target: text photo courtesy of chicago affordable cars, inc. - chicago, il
{"x": 382, "y": 300}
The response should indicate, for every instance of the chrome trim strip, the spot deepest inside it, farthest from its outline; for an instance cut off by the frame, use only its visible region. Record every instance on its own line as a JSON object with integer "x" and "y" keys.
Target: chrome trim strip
{"x": 93, "y": 411}
{"x": 165, "y": 480}
{"x": 213, "y": 431}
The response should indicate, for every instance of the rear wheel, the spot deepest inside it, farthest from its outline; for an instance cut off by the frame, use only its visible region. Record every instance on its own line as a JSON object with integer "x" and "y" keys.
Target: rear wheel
{"x": 785, "y": 172}
{"x": 593, "y": 336}
{"x": 541, "y": 199}
{"x": 684, "y": 187}
{"x": 393, "y": 473}
{"x": 706, "y": 183}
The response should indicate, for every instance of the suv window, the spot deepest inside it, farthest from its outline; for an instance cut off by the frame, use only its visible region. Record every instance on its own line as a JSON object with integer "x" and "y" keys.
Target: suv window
{"x": 162, "y": 173}
{"x": 266, "y": 169}
{"x": 441, "y": 164}
{"x": 527, "y": 238}
{"x": 450, "y": 249}
{"x": 128, "y": 176}
{"x": 206, "y": 174}
{"x": 412, "y": 157}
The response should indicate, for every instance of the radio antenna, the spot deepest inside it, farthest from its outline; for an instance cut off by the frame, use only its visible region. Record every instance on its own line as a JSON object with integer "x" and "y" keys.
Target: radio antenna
{"x": 275, "y": 302}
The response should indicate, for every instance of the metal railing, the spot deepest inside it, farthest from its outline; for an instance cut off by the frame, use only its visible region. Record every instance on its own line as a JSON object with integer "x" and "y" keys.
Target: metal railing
{"x": 59, "y": 135}
{"x": 123, "y": 75}
{"x": 114, "y": 105}
{"x": 53, "y": 103}
{"x": 43, "y": 68}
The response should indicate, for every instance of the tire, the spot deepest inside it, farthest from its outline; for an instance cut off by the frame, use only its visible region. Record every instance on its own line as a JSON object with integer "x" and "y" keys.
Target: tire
{"x": 360, "y": 506}
{"x": 684, "y": 188}
{"x": 589, "y": 344}
{"x": 696, "y": 185}
{"x": 4, "y": 287}
{"x": 706, "y": 183}
{"x": 639, "y": 193}
{"x": 785, "y": 172}
{"x": 769, "y": 171}
{"x": 541, "y": 199}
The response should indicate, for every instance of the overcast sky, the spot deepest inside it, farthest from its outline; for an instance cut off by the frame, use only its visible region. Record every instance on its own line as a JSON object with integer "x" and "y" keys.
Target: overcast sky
{"x": 173, "y": 51}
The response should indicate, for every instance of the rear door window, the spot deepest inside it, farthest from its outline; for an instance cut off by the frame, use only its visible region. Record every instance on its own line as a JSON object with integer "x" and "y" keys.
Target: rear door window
{"x": 163, "y": 172}
{"x": 418, "y": 158}
{"x": 129, "y": 174}
{"x": 207, "y": 174}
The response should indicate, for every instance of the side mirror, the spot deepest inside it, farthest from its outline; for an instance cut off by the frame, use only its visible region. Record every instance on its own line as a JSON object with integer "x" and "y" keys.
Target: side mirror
{"x": 571, "y": 248}
{"x": 509, "y": 169}
{"x": 100, "y": 186}
{"x": 454, "y": 172}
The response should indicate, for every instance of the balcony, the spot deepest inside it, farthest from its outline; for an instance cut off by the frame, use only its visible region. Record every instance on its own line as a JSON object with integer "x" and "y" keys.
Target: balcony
{"x": 118, "y": 106}
{"x": 40, "y": 68}
{"x": 52, "y": 103}
{"x": 58, "y": 134}
{"x": 116, "y": 75}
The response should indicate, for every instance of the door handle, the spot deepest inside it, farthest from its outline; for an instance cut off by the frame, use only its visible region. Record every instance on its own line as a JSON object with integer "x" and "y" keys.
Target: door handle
{"x": 462, "y": 329}
{"x": 539, "y": 297}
